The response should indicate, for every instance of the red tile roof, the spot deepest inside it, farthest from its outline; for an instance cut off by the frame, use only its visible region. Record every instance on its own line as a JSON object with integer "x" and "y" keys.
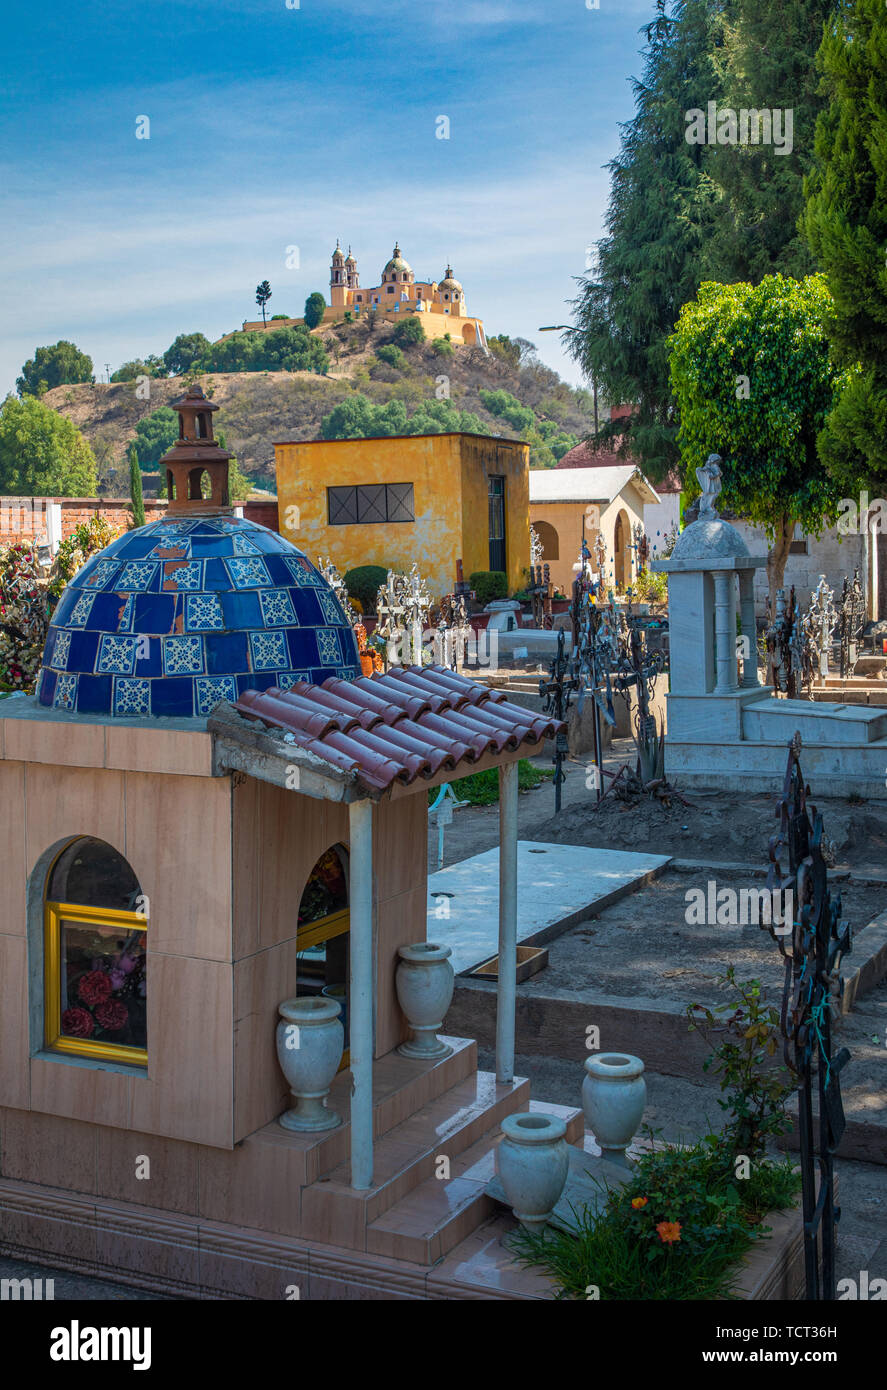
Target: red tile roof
{"x": 409, "y": 723}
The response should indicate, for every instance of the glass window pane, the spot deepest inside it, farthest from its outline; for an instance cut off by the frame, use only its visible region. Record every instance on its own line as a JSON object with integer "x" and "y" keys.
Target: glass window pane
{"x": 326, "y": 890}
{"x": 103, "y": 983}
{"x": 92, "y": 874}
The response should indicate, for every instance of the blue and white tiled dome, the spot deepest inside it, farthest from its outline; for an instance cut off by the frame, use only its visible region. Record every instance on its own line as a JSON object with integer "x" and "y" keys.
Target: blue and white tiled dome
{"x": 177, "y": 615}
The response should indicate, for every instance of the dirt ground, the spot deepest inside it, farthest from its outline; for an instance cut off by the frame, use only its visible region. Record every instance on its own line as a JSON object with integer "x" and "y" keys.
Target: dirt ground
{"x": 643, "y": 945}
{"x": 716, "y": 826}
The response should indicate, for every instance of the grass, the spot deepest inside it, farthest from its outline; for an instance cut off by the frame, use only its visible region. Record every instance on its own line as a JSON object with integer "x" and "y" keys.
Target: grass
{"x": 675, "y": 1232}
{"x": 482, "y": 788}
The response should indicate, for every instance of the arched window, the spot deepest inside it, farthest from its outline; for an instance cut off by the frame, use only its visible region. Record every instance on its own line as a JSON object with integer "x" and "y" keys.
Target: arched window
{"x": 170, "y": 486}
{"x": 322, "y": 937}
{"x": 95, "y": 956}
{"x": 548, "y": 539}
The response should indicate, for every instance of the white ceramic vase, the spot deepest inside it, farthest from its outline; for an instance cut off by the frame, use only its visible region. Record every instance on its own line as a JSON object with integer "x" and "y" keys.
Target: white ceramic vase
{"x": 614, "y": 1096}
{"x": 532, "y": 1160}
{"x": 310, "y": 1041}
{"x": 424, "y": 981}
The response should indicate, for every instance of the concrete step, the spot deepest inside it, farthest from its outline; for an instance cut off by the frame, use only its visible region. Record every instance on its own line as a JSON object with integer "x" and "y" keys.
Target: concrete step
{"x": 439, "y": 1213}
{"x": 332, "y": 1211}
{"x": 818, "y": 722}
{"x": 400, "y": 1087}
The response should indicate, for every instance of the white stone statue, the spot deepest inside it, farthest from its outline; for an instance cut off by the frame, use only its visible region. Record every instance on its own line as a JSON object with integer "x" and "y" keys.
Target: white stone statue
{"x": 709, "y": 479}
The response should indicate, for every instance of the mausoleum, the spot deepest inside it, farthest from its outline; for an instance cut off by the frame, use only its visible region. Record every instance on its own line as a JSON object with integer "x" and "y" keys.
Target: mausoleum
{"x": 210, "y": 815}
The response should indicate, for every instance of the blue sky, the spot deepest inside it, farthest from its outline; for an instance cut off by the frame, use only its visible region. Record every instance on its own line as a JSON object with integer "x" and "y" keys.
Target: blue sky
{"x": 273, "y": 127}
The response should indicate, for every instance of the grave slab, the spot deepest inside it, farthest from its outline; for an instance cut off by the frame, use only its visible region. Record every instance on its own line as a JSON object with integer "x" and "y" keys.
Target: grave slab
{"x": 557, "y": 886}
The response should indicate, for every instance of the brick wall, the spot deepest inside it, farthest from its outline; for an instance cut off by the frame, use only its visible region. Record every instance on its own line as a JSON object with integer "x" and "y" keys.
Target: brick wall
{"x": 23, "y": 518}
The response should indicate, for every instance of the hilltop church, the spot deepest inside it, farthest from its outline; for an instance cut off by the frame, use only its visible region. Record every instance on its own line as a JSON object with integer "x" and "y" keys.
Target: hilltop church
{"x": 441, "y": 303}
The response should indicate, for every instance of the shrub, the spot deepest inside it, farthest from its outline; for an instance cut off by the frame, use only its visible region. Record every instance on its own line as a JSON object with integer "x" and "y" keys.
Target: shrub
{"x": 650, "y": 587}
{"x": 363, "y": 583}
{"x": 407, "y": 331}
{"x": 488, "y": 585}
{"x": 443, "y": 348}
{"x": 391, "y": 354}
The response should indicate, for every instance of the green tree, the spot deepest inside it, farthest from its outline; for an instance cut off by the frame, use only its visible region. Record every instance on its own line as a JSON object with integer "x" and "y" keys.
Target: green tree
{"x": 359, "y": 418}
{"x": 263, "y": 294}
{"x": 184, "y": 351}
{"x": 753, "y": 380}
{"x": 315, "y": 305}
{"x": 659, "y": 214}
{"x": 135, "y": 487}
{"x": 239, "y": 485}
{"x": 767, "y": 61}
{"x": 155, "y": 435}
{"x": 390, "y": 353}
{"x": 275, "y": 350}
{"x": 846, "y": 223}
{"x": 60, "y": 365}
{"x": 408, "y": 331}
{"x": 42, "y": 454}
{"x": 508, "y": 408}
{"x": 149, "y": 366}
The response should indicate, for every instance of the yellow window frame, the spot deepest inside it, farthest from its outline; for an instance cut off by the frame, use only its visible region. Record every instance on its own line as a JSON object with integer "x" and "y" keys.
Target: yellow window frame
{"x": 54, "y": 914}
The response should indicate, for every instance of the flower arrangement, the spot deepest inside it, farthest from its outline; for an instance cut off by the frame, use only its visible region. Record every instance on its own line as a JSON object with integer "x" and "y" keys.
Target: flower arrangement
{"x": 110, "y": 991}
{"x": 25, "y": 609}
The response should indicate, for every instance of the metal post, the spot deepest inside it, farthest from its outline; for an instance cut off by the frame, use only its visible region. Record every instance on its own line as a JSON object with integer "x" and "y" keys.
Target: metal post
{"x": 360, "y": 1000}
{"x": 507, "y": 986}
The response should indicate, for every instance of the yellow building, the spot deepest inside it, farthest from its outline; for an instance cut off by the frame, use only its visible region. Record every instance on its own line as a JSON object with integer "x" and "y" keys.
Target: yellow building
{"x": 612, "y": 501}
{"x": 430, "y": 499}
{"x": 441, "y": 304}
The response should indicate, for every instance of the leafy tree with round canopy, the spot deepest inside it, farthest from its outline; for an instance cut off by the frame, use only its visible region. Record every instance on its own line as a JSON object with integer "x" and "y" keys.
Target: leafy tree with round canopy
{"x": 184, "y": 351}
{"x": 753, "y": 381}
{"x": 408, "y": 331}
{"x": 846, "y": 224}
{"x": 42, "y": 454}
{"x": 155, "y": 435}
{"x": 63, "y": 364}
{"x": 149, "y": 366}
{"x": 314, "y": 307}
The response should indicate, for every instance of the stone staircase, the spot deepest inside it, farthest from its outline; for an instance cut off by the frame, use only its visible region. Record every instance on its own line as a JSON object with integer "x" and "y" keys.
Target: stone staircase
{"x": 436, "y": 1127}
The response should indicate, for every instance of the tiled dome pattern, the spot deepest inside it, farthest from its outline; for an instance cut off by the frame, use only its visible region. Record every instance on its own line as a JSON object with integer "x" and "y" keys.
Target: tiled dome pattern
{"x": 175, "y": 616}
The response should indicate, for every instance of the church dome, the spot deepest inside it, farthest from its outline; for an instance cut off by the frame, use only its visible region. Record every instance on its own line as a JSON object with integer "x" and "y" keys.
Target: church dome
{"x": 397, "y": 265}
{"x": 349, "y": 259}
{"x": 449, "y": 283}
{"x": 175, "y": 616}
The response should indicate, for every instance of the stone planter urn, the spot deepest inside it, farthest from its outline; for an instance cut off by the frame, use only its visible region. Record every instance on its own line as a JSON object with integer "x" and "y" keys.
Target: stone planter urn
{"x": 614, "y": 1095}
{"x": 532, "y": 1161}
{"x": 310, "y": 1040}
{"x": 424, "y": 981}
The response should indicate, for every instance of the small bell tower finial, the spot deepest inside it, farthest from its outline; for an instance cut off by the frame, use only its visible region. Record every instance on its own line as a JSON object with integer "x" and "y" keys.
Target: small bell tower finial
{"x": 196, "y": 455}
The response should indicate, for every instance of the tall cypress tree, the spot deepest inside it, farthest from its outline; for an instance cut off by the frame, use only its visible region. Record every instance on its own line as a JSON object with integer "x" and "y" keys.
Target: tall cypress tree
{"x": 846, "y": 222}
{"x": 767, "y": 61}
{"x": 660, "y": 210}
{"x": 135, "y": 487}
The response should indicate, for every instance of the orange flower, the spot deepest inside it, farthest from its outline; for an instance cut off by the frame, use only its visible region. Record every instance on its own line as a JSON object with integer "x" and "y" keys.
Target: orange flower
{"x": 669, "y": 1231}
{"x": 638, "y": 1202}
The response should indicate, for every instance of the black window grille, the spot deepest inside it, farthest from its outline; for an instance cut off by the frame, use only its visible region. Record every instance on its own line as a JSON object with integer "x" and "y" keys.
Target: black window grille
{"x": 369, "y": 503}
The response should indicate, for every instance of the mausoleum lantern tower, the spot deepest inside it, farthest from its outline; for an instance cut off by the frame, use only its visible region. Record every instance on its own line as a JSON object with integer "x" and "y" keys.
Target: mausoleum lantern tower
{"x": 194, "y": 454}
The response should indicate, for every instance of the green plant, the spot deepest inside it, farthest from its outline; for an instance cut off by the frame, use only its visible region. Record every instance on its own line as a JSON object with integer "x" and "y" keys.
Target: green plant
{"x": 25, "y": 607}
{"x": 390, "y": 353}
{"x": 488, "y": 585}
{"x": 135, "y": 488}
{"x": 407, "y": 331}
{"x": 650, "y": 587}
{"x": 754, "y": 1090}
{"x": 59, "y": 365}
{"x": 363, "y": 583}
{"x": 482, "y": 788}
{"x": 315, "y": 305}
{"x": 443, "y": 348}
{"x": 674, "y": 1232}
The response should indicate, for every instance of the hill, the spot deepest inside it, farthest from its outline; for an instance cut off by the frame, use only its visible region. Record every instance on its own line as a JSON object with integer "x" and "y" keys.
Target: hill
{"x": 509, "y": 391}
